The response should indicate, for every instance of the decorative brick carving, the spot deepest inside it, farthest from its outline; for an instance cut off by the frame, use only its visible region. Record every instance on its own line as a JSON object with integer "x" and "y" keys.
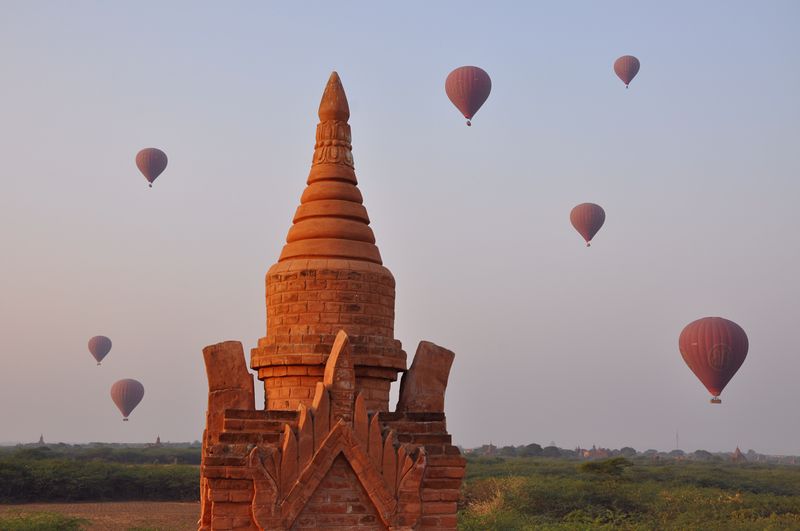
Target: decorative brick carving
{"x": 230, "y": 386}
{"x": 422, "y": 387}
{"x": 340, "y": 379}
{"x": 326, "y": 452}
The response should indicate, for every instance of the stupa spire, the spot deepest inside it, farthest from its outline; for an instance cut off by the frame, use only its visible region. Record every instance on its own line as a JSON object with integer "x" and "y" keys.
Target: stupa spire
{"x": 331, "y": 222}
{"x": 327, "y": 362}
{"x": 334, "y": 101}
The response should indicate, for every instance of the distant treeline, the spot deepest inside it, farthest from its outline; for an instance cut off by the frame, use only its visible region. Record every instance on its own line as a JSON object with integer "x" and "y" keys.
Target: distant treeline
{"x": 98, "y": 474}
{"x": 536, "y": 450}
{"x": 112, "y": 453}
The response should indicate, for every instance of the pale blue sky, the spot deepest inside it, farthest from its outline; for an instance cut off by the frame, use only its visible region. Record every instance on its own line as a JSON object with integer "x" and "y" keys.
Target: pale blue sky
{"x": 696, "y": 166}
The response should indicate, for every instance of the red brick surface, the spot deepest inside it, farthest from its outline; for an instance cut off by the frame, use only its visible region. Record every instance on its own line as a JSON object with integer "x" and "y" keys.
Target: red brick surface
{"x": 326, "y": 453}
{"x": 340, "y": 502}
{"x": 308, "y": 301}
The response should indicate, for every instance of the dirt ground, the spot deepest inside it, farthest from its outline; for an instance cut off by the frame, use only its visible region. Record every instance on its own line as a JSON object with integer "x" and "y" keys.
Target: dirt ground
{"x": 121, "y": 516}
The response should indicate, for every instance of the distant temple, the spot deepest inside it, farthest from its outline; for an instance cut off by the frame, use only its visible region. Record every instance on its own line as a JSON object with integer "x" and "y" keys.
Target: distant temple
{"x": 41, "y": 440}
{"x": 738, "y": 456}
{"x": 326, "y": 452}
{"x": 594, "y": 453}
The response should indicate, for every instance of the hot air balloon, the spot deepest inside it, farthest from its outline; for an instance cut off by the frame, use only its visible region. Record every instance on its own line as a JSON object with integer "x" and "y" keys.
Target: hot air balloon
{"x": 127, "y": 394}
{"x": 99, "y": 346}
{"x": 468, "y": 87}
{"x": 626, "y": 68}
{"x": 587, "y": 218}
{"x": 151, "y": 162}
{"x": 714, "y": 348}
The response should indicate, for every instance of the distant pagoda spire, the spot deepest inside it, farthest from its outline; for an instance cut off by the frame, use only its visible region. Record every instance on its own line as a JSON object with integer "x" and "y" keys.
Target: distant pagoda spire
{"x": 738, "y": 456}
{"x": 41, "y": 439}
{"x": 331, "y": 221}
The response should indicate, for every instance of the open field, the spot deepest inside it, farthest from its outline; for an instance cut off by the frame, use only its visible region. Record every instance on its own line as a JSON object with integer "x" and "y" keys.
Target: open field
{"x": 107, "y": 490}
{"x": 637, "y": 494}
{"x": 108, "y": 516}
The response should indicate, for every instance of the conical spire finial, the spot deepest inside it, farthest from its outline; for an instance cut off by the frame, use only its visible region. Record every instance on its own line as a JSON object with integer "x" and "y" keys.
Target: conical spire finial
{"x": 334, "y": 101}
{"x": 331, "y": 221}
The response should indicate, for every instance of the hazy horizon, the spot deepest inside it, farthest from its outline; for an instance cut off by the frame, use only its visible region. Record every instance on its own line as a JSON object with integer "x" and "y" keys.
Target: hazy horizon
{"x": 696, "y": 166}
{"x": 11, "y": 444}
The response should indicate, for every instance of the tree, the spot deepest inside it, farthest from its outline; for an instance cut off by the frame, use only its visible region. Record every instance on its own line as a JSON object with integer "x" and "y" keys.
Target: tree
{"x": 531, "y": 450}
{"x": 702, "y": 455}
{"x": 627, "y": 451}
{"x": 608, "y": 467}
{"x": 551, "y": 451}
{"x": 508, "y": 451}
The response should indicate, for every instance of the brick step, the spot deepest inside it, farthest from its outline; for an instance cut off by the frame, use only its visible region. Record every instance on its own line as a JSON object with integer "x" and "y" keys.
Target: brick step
{"x": 249, "y": 437}
{"x": 222, "y": 461}
{"x": 434, "y": 449}
{"x": 260, "y": 414}
{"x": 255, "y": 426}
{"x": 395, "y": 416}
{"x": 446, "y": 460}
{"x": 418, "y": 427}
{"x": 424, "y": 438}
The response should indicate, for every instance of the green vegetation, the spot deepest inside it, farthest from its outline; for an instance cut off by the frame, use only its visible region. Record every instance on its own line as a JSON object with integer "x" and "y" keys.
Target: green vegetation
{"x": 633, "y": 494}
{"x": 42, "y": 474}
{"x": 111, "y": 453}
{"x": 549, "y": 493}
{"x": 609, "y": 467}
{"x": 40, "y": 522}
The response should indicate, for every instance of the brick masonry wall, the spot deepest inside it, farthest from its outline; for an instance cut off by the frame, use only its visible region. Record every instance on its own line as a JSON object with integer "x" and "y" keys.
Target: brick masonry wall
{"x": 297, "y": 300}
{"x": 444, "y": 473}
{"x": 441, "y": 486}
{"x": 308, "y": 302}
{"x": 340, "y": 502}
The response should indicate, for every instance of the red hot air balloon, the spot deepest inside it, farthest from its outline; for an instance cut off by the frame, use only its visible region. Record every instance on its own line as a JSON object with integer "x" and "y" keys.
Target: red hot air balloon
{"x": 714, "y": 348}
{"x": 151, "y": 162}
{"x": 468, "y": 87}
{"x": 127, "y": 394}
{"x": 626, "y": 68}
{"x": 587, "y": 218}
{"x": 99, "y": 346}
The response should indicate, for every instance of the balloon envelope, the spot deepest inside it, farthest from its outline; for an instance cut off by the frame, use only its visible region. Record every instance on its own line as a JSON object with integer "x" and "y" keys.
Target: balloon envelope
{"x": 99, "y": 347}
{"x": 626, "y": 68}
{"x": 714, "y": 348}
{"x": 127, "y": 394}
{"x": 151, "y": 162}
{"x": 468, "y": 87}
{"x": 587, "y": 218}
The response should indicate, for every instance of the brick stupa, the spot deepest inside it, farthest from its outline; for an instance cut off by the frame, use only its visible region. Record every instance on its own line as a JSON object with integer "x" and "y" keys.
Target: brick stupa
{"x": 326, "y": 452}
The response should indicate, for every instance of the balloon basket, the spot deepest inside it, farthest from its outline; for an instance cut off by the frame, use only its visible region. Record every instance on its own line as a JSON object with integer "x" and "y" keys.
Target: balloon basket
{"x": 469, "y": 123}
{"x": 716, "y": 400}
{"x": 588, "y": 244}
{"x": 125, "y": 419}
{"x": 98, "y": 363}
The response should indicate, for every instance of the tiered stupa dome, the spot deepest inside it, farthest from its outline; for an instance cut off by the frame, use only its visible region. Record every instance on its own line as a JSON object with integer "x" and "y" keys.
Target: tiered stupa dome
{"x": 329, "y": 277}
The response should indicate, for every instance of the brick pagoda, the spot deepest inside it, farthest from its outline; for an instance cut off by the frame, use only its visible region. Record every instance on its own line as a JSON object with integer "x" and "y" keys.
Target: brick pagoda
{"x": 326, "y": 452}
